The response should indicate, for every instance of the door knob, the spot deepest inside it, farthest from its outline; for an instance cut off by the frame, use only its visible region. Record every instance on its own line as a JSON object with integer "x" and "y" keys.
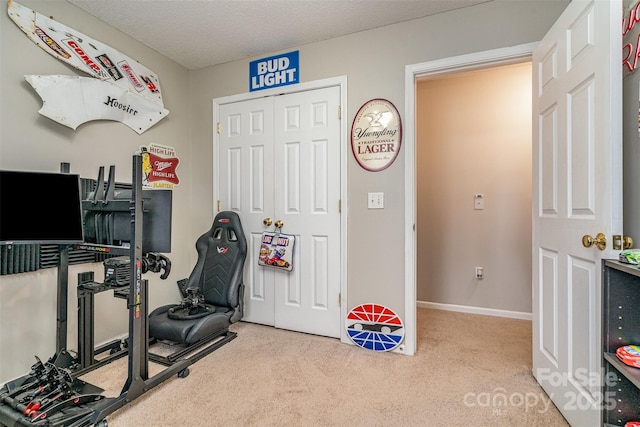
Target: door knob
{"x": 600, "y": 241}
{"x": 267, "y": 221}
{"x": 622, "y": 242}
{"x": 279, "y": 223}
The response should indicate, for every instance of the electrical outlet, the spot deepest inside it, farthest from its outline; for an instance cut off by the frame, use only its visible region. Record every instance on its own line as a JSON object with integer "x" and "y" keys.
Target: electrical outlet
{"x": 479, "y": 273}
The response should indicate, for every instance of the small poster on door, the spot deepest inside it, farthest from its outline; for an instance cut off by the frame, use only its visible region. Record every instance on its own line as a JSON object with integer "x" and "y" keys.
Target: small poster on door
{"x": 276, "y": 250}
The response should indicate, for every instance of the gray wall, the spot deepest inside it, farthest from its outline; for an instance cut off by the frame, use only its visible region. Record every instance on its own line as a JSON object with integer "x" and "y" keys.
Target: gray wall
{"x": 375, "y": 238}
{"x": 29, "y": 141}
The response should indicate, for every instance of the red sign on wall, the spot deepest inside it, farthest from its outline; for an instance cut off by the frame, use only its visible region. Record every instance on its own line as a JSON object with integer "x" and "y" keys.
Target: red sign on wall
{"x": 159, "y": 166}
{"x": 631, "y": 39}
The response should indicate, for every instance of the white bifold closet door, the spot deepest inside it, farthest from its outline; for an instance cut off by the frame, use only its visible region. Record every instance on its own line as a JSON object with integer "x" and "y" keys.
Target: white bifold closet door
{"x": 280, "y": 159}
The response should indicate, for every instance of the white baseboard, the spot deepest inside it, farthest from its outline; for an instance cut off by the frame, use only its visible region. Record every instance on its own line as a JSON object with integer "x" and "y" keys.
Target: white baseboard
{"x": 475, "y": 310}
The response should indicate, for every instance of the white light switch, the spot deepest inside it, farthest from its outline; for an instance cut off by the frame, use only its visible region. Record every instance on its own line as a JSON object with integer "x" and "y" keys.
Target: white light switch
{"x": 375, "y": 201}
{"x": 478, "y": 202}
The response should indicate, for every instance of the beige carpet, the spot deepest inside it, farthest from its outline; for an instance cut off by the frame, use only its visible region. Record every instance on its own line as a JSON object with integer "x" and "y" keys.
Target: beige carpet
{"x": 468, "y": 370}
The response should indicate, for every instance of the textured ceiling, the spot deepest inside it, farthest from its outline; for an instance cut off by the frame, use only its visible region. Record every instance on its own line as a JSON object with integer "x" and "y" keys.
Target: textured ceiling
{"x": 201, "y": 33}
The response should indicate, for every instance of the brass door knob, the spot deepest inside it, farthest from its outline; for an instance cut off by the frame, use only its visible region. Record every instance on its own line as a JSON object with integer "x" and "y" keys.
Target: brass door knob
{"x": 279, "y": 224}
{"x": 600, "y": 241}
{"x": 267, "y": 221}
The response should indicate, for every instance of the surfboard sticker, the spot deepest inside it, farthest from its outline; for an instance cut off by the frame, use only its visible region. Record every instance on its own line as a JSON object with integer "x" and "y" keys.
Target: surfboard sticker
{"x": 98, "y": 60}
{"x": 73, "y": 100}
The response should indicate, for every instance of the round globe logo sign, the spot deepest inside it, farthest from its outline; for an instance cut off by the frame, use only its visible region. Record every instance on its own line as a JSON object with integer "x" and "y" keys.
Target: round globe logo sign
{"x": 375, "y": 327}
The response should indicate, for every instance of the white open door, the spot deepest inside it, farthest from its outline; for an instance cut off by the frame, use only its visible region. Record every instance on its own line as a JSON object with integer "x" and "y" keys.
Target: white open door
{"x": 577, "y": 191}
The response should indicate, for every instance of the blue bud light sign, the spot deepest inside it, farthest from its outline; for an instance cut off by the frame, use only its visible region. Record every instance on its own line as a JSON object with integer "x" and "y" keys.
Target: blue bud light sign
{"x": 274, "y": 71}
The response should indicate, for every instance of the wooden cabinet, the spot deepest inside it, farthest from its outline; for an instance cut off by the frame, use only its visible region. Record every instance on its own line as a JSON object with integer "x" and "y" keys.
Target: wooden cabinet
{"x": 620, "y": 326}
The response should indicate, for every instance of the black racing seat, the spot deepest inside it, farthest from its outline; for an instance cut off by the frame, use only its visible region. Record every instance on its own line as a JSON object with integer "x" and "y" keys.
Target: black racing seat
{"x": 213, "y": 293}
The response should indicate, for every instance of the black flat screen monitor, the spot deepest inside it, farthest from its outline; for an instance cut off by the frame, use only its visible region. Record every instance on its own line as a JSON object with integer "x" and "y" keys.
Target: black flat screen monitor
{"x": 40, "y": 207}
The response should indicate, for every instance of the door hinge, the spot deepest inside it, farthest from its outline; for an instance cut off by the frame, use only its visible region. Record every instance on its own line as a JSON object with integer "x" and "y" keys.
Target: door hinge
{"x": 339, "y": 299}
{"x": 219, "y": 206}
{"x": 219, "y": 128}
{"x": 339, "y": 112}
{"x": 340, "y": 206}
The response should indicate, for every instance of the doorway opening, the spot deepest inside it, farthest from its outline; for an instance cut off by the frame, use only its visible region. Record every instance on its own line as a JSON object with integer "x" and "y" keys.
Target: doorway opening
{"x": 444, "y": 70}
{"x": 473, "y": 184}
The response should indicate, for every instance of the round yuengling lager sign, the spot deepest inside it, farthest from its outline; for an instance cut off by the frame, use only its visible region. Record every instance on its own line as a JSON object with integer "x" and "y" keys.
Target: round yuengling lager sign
{"x": 376, "y": 135}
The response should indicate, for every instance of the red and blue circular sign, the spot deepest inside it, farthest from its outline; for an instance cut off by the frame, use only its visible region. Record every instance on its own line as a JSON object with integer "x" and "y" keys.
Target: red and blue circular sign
{"x": 375, "y": 327}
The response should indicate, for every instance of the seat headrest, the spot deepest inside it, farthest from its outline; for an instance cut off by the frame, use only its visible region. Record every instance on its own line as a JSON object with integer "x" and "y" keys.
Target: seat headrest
{"x": 228, "y": 228}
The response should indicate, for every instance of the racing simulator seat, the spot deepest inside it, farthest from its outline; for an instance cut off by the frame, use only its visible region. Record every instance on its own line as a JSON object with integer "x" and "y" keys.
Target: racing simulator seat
{"x": 212, "y": 296}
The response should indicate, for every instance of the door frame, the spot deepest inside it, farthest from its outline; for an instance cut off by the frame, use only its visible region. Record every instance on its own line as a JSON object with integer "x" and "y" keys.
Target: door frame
{"x": 473, "y": 61}
{"x": 341, "y": 82}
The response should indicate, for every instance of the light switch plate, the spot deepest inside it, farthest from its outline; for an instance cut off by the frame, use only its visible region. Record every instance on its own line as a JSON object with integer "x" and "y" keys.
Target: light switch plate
{"x": 478, "y": 202}
{"x": 375, "y": 201}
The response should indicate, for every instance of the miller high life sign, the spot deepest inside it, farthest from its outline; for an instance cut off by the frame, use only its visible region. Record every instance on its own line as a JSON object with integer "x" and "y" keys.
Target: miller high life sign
{"x": 159, "y": 166}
